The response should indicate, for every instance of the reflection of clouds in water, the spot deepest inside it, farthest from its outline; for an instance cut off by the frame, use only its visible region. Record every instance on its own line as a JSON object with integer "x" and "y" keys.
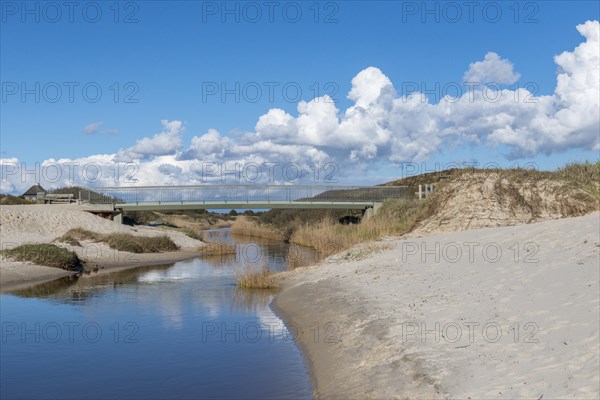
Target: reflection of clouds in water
{"x": 199, "y": 286}
{"x": 256, "y": 302}
{"x": 160, "y": 276}
{"x": 199, "y": 289}
{"x": 171, "y": 309}
{"x": 277, "y": 328}
{"x": 185, "y": 270}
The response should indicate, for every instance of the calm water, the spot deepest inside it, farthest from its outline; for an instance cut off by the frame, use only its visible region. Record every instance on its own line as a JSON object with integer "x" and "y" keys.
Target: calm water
{"x": 179, "y": 331}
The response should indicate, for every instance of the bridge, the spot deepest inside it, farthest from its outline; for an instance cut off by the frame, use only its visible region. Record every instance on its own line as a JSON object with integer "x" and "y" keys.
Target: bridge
{"x": 163, "y": 198}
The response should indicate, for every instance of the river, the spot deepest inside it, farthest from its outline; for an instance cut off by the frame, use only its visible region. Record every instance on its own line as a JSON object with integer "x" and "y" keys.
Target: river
{"x": 175, "y": 331}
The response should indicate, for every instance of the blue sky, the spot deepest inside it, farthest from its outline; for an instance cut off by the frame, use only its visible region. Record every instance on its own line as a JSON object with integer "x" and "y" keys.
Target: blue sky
{"x": 172, "y": 52}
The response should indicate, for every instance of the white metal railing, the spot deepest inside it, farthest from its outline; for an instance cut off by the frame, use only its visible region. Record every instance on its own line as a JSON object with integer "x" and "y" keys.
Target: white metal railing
{"x": 240, "y": 194}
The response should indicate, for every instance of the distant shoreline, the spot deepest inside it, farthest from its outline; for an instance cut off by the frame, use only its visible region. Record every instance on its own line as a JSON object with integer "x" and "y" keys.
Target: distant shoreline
{"x": 36, "y": 274}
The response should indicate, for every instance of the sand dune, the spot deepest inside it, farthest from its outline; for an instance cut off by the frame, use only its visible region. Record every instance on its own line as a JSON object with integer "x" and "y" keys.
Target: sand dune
{"x": 490, "y": 199}
{"x": 44, "y": 223}
{"x": 518, "y": 321}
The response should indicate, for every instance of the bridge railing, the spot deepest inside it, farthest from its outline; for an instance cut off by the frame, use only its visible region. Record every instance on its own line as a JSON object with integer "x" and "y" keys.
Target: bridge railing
{"x": 240, "y": 194}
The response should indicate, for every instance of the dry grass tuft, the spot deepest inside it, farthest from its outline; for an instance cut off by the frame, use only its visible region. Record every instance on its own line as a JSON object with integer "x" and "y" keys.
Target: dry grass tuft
{"x": 253, "y": 277}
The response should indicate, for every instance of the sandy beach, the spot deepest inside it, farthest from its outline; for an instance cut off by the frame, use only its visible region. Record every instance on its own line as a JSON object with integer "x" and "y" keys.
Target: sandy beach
{"x": 45, "y": 223}
{"x": 506, "y": 312}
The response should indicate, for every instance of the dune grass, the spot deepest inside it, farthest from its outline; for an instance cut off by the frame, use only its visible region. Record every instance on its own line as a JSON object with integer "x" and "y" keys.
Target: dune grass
{"x": 585, "y": 174}
{"x": 9, "y": 200}
{"x": 44, "y": 254}
{"x": 121, "y": 241}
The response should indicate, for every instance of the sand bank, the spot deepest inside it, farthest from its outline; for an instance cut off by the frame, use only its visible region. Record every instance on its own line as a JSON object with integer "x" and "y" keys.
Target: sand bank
{"x": 45, "y": 223}
{"x": 515, "y": 317}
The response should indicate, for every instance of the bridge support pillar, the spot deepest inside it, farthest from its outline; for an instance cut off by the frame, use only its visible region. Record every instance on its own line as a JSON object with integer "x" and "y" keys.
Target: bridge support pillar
{"x": 118, "y": 218}
{"x": 370, "y": 212}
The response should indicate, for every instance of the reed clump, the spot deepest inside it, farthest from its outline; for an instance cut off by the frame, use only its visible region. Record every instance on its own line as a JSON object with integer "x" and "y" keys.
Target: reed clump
{"x": 296, "y": 258}
{"x": 396, "y": 217}
{"x": 248, "y": 227}
{"x": 254, "y": 277}
{"x": 216, "y": 249}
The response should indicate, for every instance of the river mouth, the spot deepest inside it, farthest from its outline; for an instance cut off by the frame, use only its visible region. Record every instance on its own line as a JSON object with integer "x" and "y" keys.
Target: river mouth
{"x": 175, "y": 331}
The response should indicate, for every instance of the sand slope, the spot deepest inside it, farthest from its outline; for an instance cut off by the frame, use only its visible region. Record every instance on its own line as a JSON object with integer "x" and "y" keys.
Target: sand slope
{"x": 376, "y": 345}
{"x": 489, "y": 199}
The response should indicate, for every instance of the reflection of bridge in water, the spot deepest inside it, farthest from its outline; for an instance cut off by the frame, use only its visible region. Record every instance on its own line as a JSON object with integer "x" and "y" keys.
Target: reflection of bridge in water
{"x": 163, "y": 198}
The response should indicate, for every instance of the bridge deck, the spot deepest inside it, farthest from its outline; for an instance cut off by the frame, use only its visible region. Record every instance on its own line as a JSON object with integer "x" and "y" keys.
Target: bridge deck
{"x": 240, "y": 196}
{"x": 196, "y": 205}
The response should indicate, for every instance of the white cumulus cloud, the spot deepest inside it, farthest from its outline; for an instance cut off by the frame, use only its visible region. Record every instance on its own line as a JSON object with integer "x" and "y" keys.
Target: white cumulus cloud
{"x": 493, "y": 69}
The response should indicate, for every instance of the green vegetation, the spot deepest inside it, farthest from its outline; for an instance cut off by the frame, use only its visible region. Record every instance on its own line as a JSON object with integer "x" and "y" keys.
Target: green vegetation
{"x": 45, "y": 254}
{"x": 121, "y": 241}
{"x": 7, "y": 199}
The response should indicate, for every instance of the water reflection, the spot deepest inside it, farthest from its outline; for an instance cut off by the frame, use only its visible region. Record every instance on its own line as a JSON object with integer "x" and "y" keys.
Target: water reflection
{"x": 198, "y": 335}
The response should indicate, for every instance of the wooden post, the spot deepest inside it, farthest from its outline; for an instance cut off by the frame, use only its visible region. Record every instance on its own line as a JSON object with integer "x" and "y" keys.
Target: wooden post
{"x": 420, "y": 191}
